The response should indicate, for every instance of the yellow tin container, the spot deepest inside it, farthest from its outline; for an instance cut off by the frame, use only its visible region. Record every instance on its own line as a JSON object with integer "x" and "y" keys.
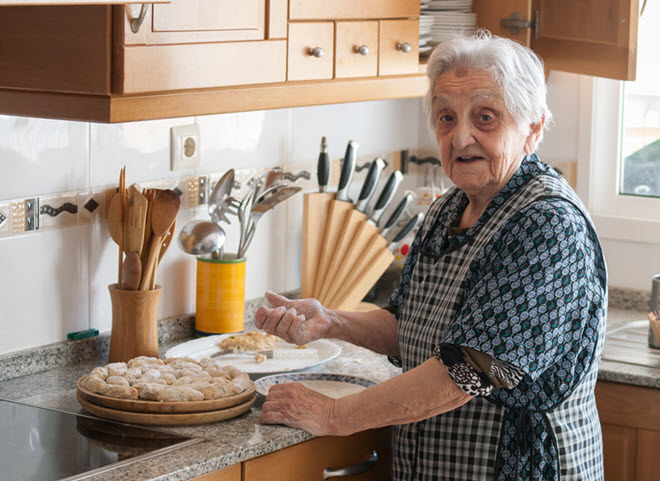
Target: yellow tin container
{"x": 220, "y": 295}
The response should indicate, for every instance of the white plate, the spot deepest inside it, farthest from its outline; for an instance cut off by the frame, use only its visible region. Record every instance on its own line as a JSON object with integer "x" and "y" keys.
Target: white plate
{"x": 333, "y": 385}
{"x": 208, "y": 347}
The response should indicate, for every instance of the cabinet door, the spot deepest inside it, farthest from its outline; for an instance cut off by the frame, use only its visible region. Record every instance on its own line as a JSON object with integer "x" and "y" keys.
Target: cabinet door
{"x": 311, "y": 50}
{"x": 619, "y": 452}
{"x": 356, "y": 49}
{"x": 308, "y": 460}
{"x": 590, "y": 37}
{"x": 398, "y": 47}
{"x": 182, "y": 21}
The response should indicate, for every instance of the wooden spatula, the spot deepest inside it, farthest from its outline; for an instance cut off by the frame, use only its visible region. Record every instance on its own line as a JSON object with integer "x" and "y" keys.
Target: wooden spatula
{"x": 136, "y": 218}
{"x": 163, "y": 214}
{"x": 131, "y": 272}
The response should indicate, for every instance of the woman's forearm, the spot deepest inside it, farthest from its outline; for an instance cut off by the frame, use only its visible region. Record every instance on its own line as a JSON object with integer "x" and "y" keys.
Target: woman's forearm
{"x": 420, "y": 393}
{"x": 376, "y": 330}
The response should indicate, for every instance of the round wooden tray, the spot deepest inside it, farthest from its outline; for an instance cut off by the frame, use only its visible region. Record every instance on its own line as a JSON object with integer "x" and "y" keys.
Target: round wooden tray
{"x": 157, "y": 407}
{"x": 154, "y": 419}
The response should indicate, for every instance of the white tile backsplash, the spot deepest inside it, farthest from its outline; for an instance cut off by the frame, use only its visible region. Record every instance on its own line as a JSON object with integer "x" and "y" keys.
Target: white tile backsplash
{"x": 56, "y": 281}
{"x": 44, "y": 287}
{"x": 42, "y": 156}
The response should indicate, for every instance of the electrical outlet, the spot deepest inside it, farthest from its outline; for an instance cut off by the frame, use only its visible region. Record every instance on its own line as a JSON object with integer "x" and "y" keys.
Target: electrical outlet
{"x": 184, "y": 147}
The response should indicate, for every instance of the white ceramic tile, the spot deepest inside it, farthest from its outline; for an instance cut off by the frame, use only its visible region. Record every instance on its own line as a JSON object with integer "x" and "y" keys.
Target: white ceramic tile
{"x": 143, "y": 147}
{"x": 244, "y": 140}
{"x": 44, "y": 287}
{"x": 41, "y": 156}
{"x": 379, "y": 126}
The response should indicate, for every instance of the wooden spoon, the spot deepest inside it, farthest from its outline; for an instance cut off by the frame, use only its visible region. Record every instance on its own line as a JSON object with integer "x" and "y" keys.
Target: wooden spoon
{"x": 164, "y": 245}
{"x": 131, "y": 272}
{"x": 163, "y": 214}
{"x": 116, "y": 226}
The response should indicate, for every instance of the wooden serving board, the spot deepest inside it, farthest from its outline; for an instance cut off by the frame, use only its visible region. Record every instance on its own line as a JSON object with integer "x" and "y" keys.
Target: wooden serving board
{"x": 153, "y": 419}
{"x": 157, "y": 407}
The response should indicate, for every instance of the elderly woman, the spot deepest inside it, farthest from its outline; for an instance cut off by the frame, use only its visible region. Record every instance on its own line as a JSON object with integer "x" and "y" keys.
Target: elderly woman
{"x": 499, "y": 318}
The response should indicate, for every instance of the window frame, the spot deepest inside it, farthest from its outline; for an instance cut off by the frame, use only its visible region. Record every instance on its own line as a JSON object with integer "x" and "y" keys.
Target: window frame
{"x": 618, "y": 217}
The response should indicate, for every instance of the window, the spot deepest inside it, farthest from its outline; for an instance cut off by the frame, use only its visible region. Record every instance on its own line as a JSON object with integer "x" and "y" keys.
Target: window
{"x": 619, "y": 144}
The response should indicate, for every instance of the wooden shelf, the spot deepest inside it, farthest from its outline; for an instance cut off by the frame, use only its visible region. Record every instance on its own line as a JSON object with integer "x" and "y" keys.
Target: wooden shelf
{"x": 15, "y": 3}
{"x": 127, "y": 108}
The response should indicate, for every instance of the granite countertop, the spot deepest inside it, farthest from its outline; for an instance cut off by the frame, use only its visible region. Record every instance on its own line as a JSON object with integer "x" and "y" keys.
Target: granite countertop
{"x": 232, "y": 441}
{"x": 223, "y": 443}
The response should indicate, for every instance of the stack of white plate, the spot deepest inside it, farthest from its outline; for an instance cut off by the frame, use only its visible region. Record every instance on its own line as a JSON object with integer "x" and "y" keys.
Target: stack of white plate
{"x": 425, "y": 26}
{"x": 451, "y": 5}
{"x": 449, "y": 17}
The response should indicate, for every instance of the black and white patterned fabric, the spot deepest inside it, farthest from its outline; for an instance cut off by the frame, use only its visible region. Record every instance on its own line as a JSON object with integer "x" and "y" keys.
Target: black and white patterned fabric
{"x": 525, "y": 285}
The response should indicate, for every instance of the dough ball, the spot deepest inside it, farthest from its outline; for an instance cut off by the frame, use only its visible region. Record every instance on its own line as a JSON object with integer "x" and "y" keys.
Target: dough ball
{"x": 100, "y": 372}
{"x": 179, "y": 393}
{"x": 119, "y": 392}
{"x": 92, "y": 383}
{"x": 117, "y": 380}
{"x": 149, "y": 390}
{"x": 117, "y": 368}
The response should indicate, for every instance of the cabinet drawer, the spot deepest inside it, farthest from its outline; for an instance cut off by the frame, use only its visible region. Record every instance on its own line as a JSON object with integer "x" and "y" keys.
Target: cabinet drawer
{"x": 397, "y": 36}
{"x": 306, "y": 461}
{"x": 193, "y": 66}
{"x": 303, "y": 37}
{"x": 351, "y": 38}
{"x": 348, "y": 9}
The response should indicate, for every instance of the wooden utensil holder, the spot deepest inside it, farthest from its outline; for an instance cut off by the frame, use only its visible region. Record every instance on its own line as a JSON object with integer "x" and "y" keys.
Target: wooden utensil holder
{"x": 134, "y": 323}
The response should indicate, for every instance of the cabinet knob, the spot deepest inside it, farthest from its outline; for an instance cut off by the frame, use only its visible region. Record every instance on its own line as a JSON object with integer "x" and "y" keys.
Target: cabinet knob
{"x": 403, "y": 47}
{"x": 315, "y": 52}
{"x": 362, "y": 49}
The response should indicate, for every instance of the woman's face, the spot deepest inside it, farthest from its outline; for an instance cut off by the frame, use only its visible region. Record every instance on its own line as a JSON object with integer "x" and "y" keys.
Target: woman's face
{"x": 481, "y": 146}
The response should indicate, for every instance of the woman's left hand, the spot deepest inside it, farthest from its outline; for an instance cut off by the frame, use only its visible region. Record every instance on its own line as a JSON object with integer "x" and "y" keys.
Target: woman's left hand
{"x": 296, "y": 406}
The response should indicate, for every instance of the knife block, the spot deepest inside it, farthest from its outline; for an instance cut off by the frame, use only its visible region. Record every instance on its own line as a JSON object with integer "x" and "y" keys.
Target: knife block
{"x": 134, "y": 323}
{"x": 350, "y": 282}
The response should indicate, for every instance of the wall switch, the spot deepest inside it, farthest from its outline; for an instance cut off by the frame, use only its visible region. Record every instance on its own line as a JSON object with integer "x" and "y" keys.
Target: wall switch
{"x": 184, "y": 147}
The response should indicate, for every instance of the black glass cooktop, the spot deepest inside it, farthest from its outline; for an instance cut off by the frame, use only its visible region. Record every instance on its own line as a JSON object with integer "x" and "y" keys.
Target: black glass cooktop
{"x": 43, "y": 444}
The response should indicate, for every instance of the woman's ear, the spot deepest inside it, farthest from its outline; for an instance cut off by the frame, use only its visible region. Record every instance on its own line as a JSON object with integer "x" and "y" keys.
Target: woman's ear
{"x": 534, "y": 137}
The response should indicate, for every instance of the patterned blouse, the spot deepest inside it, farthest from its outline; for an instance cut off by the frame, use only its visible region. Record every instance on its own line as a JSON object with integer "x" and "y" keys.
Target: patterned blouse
{"x": 515, "y": 308}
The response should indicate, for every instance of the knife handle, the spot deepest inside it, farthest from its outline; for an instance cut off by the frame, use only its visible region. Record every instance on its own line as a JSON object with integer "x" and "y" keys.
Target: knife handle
{"x": 406, "y": 229}
{"x": 370, "y": 182}
{"x": 386, "y": 195}
{"x": 347, "y": 170}
{"x": 398, "y": 212}
{"x": 323, "y": 166}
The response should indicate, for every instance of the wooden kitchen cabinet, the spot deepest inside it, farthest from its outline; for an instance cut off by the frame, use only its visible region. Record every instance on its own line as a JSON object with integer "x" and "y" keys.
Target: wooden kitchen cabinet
{"x": 308, "y": 460}
{"x": 356, "y": 49}
{"x": 590, "y": 37}
{"x": 630, "y": 420}
{"x": 218, "y": 56}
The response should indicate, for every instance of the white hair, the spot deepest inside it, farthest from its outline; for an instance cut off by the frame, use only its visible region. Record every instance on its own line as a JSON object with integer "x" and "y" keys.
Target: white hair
{"x": 515, "y": 69}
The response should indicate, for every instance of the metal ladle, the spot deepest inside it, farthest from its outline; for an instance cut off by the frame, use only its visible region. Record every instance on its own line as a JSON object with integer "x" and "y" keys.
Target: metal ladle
{"x": 201, "y": 237}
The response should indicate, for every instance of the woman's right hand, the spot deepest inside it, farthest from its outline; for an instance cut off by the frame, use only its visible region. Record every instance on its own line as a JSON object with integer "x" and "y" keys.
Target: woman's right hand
{"x": 296, "y": 321}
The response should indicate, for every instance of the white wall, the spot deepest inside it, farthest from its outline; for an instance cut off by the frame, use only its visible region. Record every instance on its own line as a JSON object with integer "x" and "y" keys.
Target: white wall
{"x": 55, "y": 281}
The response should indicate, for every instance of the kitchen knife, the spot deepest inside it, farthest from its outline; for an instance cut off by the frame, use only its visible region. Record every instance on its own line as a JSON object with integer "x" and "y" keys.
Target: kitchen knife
{"x": 316, "y": 209}
{"x": 366, "y": 235}
{"x": 352, "y": 223}
{"x": 347, "y": 170}
{"x": 340, "y": 208}
{"x": 406, "y": 229}
{"x": 275, "y": 353}
{"x": 397, "y": 213}
{"x": 386, "y": 196}
{"x": 370, "y": 183}
{"x": 323, "y": 167}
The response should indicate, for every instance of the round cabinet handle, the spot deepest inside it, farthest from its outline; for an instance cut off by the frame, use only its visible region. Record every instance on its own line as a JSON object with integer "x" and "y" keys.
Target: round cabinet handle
{"x": 315, "y": 52}
{"x": 403, "y": 47}
{"x": 354, "y": 470}
{"x": 362, "y": 49}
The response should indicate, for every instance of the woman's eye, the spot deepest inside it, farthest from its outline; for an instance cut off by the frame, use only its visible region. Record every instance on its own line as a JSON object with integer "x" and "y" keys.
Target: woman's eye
{"x": 485, "y": 118}
{"x": 445, "y": 118}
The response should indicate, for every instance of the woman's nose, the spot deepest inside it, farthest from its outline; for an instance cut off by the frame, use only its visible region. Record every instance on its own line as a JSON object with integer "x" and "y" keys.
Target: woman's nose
{"x": 462, "y": 136}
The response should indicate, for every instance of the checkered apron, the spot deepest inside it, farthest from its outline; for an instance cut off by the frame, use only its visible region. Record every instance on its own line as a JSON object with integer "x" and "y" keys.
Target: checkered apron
{"x": 462, "y": 445}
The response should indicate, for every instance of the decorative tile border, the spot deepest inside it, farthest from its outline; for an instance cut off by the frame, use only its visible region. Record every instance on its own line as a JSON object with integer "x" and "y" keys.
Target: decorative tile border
{"x": 18, "y": 216}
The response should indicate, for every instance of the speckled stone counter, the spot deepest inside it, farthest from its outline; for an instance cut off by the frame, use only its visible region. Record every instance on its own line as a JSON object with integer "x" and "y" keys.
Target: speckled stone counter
{"x": 223, "y": 443}
{"x": 47, "y": 376}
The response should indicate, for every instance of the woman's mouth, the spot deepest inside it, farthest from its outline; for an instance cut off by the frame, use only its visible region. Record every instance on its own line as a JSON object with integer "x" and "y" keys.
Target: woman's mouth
{"x": 468, "y": 158}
